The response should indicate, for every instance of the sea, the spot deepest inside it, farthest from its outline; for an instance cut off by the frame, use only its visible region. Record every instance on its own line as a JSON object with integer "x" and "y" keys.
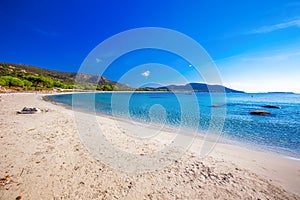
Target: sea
{"x": 278, "y": 132}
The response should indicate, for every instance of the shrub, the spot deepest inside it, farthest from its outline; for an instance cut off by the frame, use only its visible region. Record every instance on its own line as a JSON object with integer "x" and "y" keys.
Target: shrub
{"x": 27, "y": 84}
{"x": 11, "y": 81}
{"x": 16, "y": 82}
{"x": 4, "y": 81}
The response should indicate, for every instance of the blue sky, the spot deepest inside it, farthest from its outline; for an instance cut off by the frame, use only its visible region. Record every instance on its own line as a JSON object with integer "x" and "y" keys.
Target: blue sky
{"x": 255, "y": 44}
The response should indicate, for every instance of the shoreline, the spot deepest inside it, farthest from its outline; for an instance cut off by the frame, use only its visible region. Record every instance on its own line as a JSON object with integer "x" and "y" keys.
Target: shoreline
{"x": 56, "y": 164}
{"x": 284, "y": 153}
{"x": 220, "y": 141}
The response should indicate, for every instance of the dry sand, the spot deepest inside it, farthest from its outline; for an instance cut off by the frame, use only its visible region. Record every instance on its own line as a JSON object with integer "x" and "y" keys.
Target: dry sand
{"x": 42, "y": 157}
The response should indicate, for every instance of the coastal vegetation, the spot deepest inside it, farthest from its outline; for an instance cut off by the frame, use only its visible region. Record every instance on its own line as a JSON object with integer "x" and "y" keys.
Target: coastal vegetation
{"x": 20, "y": 77}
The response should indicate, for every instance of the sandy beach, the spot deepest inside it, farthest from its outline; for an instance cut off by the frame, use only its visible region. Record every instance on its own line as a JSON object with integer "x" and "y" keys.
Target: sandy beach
{"x": 43, "y": 157}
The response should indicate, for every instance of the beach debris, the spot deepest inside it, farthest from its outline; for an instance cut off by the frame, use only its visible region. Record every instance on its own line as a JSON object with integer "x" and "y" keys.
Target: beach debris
{"x": 260, "y": 112}
{"x": 18, "y": 197}
{"x": 271, "y": 106}
{"x": 5, "y": 180}
{"x": 26, "y": 110}
{"x": 22, "y": 172}
{"x": 33, "y": 110}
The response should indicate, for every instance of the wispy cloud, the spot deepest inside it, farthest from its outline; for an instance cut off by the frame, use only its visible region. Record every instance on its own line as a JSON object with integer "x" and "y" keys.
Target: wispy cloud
{"x": 273, "y": 55}
{"x": 267, "y": 29}
{"x": 269, "y": 70}
{"x": 293, "y": 4}
{"x": 45, "y": 33}
{"x": 146, "y": 73}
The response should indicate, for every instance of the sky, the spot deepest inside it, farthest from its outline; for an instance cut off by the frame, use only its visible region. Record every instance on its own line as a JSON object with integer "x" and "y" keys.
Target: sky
{"x": 255, "y": 45}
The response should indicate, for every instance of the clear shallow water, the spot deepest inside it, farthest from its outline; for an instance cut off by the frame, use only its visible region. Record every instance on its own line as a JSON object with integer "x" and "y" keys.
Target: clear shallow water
{"x": 278, "y": 132}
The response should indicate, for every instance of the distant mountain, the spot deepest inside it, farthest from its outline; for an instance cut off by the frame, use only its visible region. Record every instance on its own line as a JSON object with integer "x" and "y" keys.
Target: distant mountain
{"x": 199, "y": 87}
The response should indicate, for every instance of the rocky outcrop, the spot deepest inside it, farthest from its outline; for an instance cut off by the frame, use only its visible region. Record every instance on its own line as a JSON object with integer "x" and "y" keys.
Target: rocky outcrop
{"x": 271, "y": 106}
{"x": 260, "y": 112}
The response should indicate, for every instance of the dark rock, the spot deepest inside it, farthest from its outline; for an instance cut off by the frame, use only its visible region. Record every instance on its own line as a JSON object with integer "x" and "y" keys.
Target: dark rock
{"x": 26, "y": 110}
{"x": 260, "y": 112}
{"x": 271, "y": 106}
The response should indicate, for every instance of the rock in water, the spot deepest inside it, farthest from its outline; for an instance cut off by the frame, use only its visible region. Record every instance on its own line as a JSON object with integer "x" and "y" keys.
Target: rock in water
{"x": 260, "y": 112}
{"x": 218, "y": 105}
{"x": 271, "y": 106}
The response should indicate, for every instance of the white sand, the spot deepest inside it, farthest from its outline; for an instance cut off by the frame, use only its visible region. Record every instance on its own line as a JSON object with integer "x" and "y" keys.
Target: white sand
{"x": 45, "y": 159}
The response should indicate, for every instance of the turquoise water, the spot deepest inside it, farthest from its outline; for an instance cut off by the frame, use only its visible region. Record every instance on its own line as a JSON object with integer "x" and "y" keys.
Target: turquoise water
{"x": 278, "y": 132}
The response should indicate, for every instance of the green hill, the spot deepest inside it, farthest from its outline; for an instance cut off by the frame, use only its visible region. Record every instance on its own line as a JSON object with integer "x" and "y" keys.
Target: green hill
{"x": 21, "y": 77}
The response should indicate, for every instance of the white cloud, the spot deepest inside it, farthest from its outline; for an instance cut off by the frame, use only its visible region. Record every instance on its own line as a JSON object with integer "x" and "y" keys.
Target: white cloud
{"x": 98, "y": 60}
{"x": 267, "y": 29}
{"x": 146, "y": 73}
